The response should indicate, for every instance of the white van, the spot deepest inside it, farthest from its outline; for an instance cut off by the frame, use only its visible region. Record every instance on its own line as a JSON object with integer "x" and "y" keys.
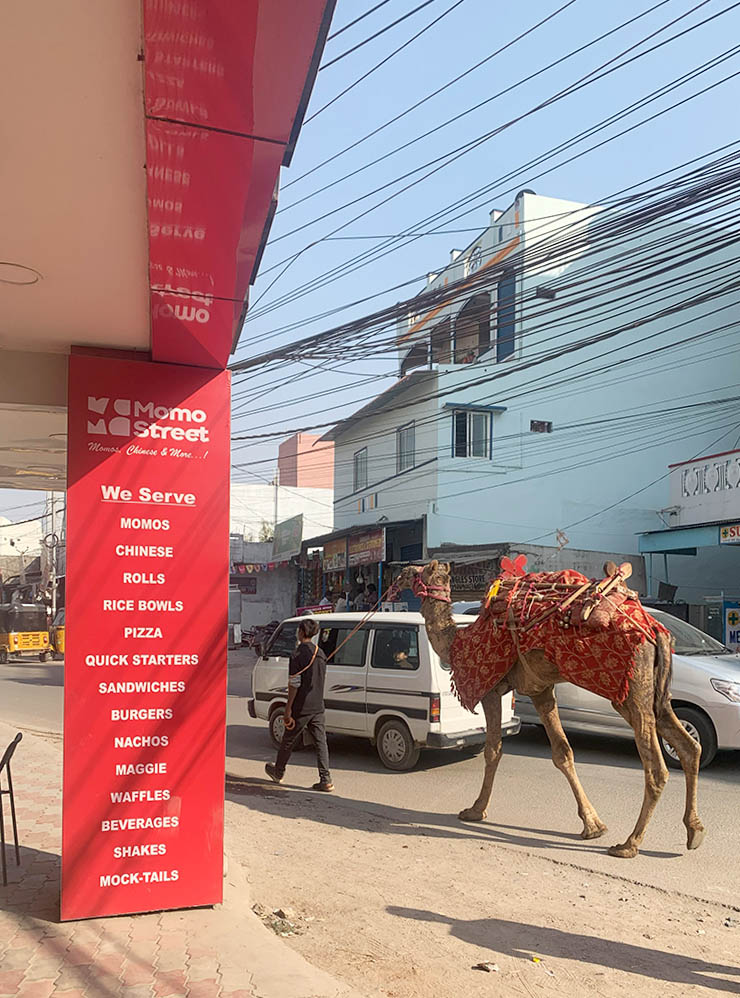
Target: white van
{"x": 386, "y": 684}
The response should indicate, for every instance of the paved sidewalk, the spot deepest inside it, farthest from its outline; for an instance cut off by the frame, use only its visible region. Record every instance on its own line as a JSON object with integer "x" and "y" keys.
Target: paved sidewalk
{"x": 223, "y": 952}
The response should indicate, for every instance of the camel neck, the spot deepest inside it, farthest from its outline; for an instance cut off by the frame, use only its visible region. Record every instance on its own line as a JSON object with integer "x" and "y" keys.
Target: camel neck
{"x": 440, "y": 625}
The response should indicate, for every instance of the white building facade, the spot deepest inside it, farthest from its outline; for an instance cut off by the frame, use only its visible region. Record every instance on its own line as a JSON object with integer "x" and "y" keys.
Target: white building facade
{"x": 544, "y": 403}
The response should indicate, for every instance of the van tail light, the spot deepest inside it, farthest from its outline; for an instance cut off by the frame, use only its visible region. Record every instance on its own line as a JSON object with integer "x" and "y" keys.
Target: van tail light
{"x": 434, "y": 709}
{"x": 513, "y": 701}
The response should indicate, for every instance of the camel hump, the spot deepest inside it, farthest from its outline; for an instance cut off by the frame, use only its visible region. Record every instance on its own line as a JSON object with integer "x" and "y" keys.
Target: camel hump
{"x": 625, "y": 569}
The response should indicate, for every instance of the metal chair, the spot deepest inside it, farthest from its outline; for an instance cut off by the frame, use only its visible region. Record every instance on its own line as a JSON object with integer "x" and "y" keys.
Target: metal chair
{"x": 5, "y": 767}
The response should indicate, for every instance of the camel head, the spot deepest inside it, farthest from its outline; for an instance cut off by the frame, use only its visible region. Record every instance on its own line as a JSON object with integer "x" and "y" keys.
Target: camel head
{"x": 432, "y": 579}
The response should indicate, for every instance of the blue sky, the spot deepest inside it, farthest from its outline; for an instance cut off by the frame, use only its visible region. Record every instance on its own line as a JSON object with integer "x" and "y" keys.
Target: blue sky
{"x": 473, "y": 30}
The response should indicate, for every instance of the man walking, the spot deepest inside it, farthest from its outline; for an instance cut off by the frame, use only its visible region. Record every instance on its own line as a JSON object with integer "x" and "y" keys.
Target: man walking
{"x": 305, "y": 707}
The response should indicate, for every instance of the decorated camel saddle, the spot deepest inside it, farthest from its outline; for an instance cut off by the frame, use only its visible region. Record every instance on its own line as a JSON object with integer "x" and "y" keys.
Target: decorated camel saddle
{"x": 590, "y": 629}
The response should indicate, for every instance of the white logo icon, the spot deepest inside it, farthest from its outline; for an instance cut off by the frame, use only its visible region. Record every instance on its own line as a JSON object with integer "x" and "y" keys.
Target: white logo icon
{"x": 118, "y": 426}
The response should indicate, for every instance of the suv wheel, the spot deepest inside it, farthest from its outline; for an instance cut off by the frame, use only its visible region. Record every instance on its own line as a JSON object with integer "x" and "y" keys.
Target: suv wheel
{"x": 701, "y": 729}
{"x": 396, "y": 746}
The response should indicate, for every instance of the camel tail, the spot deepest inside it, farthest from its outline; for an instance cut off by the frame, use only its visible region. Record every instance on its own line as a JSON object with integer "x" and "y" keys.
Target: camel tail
{"x": 662, "y": 673}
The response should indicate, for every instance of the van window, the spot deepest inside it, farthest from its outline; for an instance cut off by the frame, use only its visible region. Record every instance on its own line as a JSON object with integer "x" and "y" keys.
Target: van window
{"x": 396, "y": 648}
{"x": 284, "y": 642}
{"x": 351, "y": 652}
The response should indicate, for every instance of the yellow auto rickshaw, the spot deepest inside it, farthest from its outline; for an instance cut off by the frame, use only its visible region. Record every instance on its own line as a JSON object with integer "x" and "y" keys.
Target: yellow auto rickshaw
{"x": 56, "y": 636}
{"x": 23, "y": 630}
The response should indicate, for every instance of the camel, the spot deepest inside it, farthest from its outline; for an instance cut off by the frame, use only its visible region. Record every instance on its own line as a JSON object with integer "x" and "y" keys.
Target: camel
{"x": 647, "y": 709}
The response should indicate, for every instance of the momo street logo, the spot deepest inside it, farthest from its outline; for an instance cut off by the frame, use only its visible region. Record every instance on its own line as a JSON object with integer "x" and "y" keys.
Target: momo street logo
{"x": 133, "y": 418}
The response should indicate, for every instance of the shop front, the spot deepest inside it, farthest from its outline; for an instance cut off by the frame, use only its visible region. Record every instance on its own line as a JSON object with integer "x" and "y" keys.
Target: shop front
{"x": 696, "y": 558}
{"x": 356, "y": 558}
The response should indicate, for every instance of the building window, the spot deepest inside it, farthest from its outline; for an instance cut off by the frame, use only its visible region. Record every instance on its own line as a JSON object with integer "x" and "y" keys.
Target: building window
{"x": 506, "y": 316}
{"x": 405, "y": 447}
{"x": 471, "y": 433}
{"x": 360, "y": 469}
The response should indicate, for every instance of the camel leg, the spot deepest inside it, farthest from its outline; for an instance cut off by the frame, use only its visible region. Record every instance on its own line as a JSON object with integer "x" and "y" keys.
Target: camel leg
{"x": 642, "y": 721}
{"x": 689, "y": 752}
{"x": 562, "y": 756}
{"x": 492, "y": 753}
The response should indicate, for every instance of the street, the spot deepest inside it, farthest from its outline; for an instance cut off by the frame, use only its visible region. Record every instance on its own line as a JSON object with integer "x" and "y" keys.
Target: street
{"x": 532, "y": 809}
{"x": 383, "y": 888}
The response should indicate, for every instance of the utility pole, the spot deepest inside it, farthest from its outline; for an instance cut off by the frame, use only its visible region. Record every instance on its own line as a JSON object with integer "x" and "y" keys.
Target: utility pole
{"x": 53, "y": 574}
{"x": 276, "y": 482}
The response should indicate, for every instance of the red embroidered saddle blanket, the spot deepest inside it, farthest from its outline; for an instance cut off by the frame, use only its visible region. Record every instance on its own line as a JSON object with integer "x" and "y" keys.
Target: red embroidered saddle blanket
{"x": 599, "y": 659}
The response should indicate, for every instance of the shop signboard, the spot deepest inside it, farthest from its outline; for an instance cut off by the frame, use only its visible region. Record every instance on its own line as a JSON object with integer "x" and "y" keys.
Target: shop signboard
{"x": 732, "y": 624}
{"x": 146, "y": 616}
{"x": 707, "y": 489}
{"x": 471, "y": 580}
{"x": 288, "y": 537}
{"x": 729, "y": 533}
{"x": 302, "y": 611}
{"x": 335, "y": 555}
{"x": 367, "y": 548}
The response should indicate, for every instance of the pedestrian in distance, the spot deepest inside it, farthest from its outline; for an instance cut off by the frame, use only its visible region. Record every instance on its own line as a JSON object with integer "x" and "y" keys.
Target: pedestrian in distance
{"x": 342, "y": 602}
{"x": 359, "y": 601}
{"x": 305, "y": 708}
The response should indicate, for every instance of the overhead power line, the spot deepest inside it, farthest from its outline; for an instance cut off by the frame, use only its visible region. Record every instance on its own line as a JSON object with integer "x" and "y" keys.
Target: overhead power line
{"x": 382, "y": 62}
{"x": 346, "y": 27}
{"x": 376, "y": 34}
{"x": 439, "y": 90}
{"x": 378, "y": 252}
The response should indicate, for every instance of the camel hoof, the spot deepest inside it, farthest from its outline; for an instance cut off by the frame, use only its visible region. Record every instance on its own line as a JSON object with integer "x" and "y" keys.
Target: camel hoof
{"x": 594, "y": 830}
{"x": 470, "y": 814}
{"x": 624, "y": 851}
{"x": 695, "y": 837}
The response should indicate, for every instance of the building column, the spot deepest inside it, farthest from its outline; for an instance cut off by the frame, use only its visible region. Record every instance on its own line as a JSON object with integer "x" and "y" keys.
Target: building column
{"x": 146, "y": 633}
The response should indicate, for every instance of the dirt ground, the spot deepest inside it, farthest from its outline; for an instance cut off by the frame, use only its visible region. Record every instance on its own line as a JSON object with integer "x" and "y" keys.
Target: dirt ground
{"x": 406, "y": 910}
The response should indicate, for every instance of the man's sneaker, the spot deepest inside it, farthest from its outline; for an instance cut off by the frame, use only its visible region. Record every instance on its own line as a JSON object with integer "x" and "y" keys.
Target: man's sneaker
{"x": 273, "y": 773}
{"x": 326, "y": 788}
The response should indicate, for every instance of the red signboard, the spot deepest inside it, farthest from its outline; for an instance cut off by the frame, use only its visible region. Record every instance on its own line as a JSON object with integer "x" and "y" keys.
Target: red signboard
{"x": 203, "y": 242}
{"x": 225, "y": 84}
{"x": 146, "y": 631}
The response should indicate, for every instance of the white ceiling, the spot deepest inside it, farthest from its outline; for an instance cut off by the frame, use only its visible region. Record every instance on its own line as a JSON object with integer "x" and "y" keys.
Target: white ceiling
{"x": 72, "y": 177}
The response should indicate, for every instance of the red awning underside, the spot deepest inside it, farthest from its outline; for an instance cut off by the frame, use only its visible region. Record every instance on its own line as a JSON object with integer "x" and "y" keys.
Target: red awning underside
{"x": 226, "y": 88}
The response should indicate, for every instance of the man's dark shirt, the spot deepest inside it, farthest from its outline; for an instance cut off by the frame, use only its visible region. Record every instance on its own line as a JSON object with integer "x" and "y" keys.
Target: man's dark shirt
{"x": 310, "y": 697}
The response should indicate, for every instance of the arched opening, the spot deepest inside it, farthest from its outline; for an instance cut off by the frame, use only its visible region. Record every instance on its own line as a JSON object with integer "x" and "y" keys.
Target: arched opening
{"x": 416, "y": 357}
{"x": 441, "y": 340}
{"x": 473, "y": 329}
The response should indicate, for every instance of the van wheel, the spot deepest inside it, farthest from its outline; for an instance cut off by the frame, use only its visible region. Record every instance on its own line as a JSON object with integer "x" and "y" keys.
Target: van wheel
{"x": 277, "y": 726}
{"x": 700, "y": 728}
{"x": 57, "y": 656}
{"x": 396, "y": 746}
{"x": 3, "y": 656}
{"x": 42, "y": 656}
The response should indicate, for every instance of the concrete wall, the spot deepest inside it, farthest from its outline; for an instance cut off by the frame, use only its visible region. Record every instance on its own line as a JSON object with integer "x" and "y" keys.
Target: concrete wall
{"x": 253, "y": 505}
{"x": 275, "y": 598}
